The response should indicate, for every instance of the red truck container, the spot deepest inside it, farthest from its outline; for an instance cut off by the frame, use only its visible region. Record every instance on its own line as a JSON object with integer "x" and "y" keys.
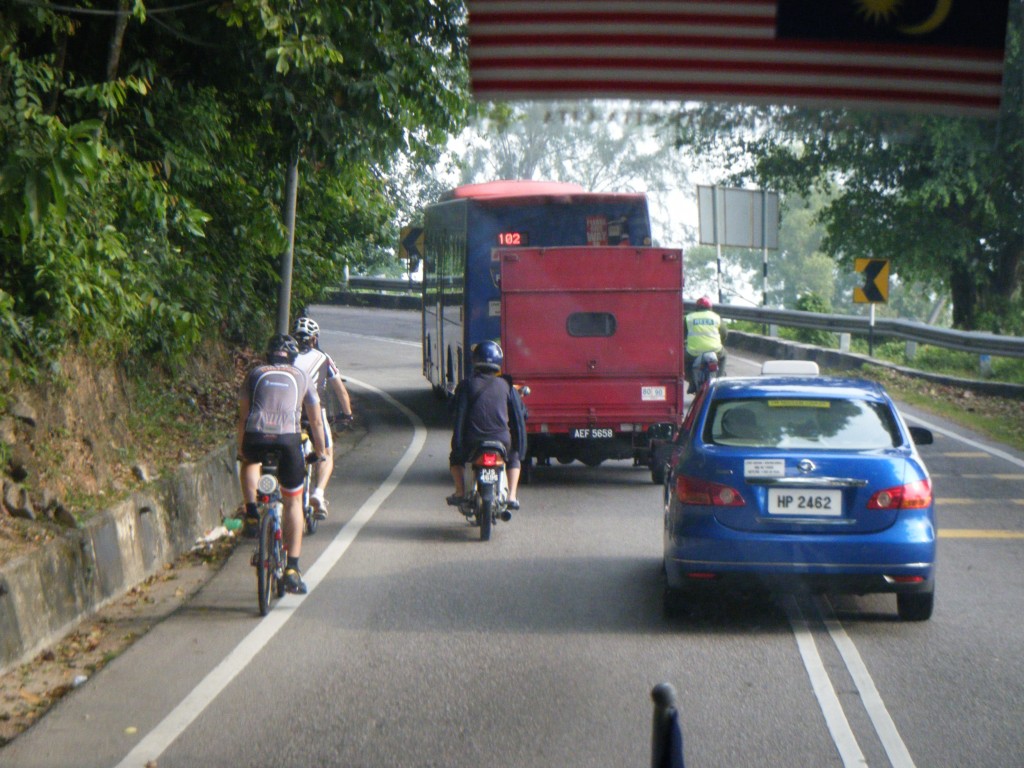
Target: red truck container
{"x": 597, "y": 335}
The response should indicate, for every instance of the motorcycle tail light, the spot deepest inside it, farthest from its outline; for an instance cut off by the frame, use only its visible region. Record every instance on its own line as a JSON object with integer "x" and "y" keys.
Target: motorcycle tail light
{"x": 713, "y": 366}
{"x": 917, "y": 495}
{"x": 490, "y": 460}
{"x": 693, "y": 490}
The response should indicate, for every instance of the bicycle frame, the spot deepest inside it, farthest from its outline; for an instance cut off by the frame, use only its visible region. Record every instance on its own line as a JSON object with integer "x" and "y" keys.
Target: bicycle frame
{"x": 269, "y": 557}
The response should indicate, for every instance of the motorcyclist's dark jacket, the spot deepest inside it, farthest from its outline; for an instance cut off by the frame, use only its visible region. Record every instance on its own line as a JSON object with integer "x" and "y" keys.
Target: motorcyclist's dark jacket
{"x": 488, "y": 407}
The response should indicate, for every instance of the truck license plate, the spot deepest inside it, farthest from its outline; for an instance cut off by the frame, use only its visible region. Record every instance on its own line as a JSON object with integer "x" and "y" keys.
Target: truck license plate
{"x": 802, "y": 502}
{"x": 592, "y": 433}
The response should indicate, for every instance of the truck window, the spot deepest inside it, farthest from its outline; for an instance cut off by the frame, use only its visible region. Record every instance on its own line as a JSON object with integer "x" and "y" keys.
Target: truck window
{"x": 591, "y": 324}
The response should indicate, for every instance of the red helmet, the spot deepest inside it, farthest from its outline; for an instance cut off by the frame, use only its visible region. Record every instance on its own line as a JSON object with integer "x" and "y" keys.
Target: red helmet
{"x": 703, "y": 303}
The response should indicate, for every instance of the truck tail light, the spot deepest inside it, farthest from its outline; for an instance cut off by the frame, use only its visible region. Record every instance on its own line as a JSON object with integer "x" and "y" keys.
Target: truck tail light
{"x": 693, "y": 490}
{"x": 917, "y": 495}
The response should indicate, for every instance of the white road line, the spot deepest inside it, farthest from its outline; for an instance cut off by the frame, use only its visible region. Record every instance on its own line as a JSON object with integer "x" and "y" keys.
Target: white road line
{"x": 899, "y": 755}
{"x": 153, "y": 745}
{"x": 967, "y": 441}
{"x": 375, "y": 338}
{"x": 828, "y": 702}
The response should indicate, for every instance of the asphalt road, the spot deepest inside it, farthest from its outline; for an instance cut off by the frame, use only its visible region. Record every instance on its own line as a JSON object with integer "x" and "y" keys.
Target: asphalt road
{"x": 419, "y": 645}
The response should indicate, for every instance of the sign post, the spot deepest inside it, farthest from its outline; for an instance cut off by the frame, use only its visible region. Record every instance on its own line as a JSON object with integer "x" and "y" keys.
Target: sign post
{"x": 743, "y": 218}
{"x": 874, "y": 291}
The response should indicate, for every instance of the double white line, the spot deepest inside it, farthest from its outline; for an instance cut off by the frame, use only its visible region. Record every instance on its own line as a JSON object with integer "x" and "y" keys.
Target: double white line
{"x": 831, "y": 708}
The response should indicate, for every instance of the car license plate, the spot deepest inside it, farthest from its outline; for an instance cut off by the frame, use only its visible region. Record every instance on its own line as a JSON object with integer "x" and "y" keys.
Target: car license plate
{"x": 592, "y": 433}
{"x": 804, "y": 502}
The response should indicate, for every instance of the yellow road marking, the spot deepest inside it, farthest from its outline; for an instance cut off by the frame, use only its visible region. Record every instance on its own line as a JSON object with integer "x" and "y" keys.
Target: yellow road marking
{"x": 979, "y": 476}
{"x": 977, "y": 533}
{"x": 966, "y": 455}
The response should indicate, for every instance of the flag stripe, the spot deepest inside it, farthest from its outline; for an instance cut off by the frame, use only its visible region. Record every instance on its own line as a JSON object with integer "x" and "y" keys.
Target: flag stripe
{"x": 715, "y": 50}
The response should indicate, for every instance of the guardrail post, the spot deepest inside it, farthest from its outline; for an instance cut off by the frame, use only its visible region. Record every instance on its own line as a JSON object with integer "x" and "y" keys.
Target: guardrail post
{"x": 844, "y": 342}
{"x": 985, "y": 366}
{"x": 911, "y": 350}
{"x": 666, "y": 733}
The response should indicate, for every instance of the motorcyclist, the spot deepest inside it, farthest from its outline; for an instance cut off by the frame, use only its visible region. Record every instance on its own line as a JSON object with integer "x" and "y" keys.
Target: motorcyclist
{"x": 487, "y": 407}
{"x": 704, "y": 333}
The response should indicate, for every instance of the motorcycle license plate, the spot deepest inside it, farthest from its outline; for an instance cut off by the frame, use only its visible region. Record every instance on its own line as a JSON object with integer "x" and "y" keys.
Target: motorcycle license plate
{"x": 592, "y": 433}
{"x": 489, "y": 475}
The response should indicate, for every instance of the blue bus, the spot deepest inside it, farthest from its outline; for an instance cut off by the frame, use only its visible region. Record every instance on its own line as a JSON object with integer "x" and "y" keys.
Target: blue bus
{"x": 461, "y": 297}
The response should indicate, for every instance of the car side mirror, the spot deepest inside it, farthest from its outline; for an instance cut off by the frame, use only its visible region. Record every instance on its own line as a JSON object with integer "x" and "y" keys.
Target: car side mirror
{"x": 921, "y": 436}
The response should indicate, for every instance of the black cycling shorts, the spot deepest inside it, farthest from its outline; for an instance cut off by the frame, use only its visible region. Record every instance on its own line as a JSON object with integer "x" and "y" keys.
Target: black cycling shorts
{"x": 291, "y": 464}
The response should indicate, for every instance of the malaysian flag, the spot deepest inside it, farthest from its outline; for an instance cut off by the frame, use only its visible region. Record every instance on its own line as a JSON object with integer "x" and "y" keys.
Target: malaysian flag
{"x": 908, "y": 55}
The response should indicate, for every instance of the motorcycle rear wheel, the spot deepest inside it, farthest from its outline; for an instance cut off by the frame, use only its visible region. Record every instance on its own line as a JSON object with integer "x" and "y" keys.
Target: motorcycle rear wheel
{"x": 486, "y": 519}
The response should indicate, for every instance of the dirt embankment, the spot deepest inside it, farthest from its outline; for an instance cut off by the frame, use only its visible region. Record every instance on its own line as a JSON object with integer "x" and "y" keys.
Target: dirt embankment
{"x": 86, "y": 433}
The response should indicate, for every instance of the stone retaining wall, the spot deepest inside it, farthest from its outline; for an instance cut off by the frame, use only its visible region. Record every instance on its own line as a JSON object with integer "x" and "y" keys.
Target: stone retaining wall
{"x": 45, "y": 593}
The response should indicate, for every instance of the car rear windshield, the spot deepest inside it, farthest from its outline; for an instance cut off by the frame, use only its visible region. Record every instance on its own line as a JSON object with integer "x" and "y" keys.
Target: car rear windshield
{"x": 828, "y": 424}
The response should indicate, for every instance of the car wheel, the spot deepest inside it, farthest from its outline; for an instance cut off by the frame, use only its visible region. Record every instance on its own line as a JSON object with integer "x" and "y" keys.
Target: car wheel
{"x": 915, "y": 606}
{"x": 658, "y": 474}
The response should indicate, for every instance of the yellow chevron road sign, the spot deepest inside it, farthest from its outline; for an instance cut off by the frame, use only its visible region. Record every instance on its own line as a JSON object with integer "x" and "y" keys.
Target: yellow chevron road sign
{"x": 876, "y": 281}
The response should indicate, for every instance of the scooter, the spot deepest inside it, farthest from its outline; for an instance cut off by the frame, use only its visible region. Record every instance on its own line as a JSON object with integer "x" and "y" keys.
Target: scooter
{"x": 489, "y": 502}
{"x": 704, "y": 368}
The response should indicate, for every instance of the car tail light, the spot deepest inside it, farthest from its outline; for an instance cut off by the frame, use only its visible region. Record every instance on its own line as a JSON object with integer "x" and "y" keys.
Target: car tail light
{"x": 693, "y": 490}
{"x": 904, "y": 579}
{"x": 489, "y": 460}
{"x": 917, "y": 495}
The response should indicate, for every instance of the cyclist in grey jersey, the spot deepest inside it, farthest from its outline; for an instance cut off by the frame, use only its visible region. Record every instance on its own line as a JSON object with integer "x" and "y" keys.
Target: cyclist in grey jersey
{"x": 270, "y": 407}
{"x": 322, "y": 370}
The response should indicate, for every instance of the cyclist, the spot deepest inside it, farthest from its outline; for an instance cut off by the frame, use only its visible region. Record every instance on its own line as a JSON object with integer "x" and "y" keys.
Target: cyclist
{"x": 270, "y": 407}
{"x": 487, "y": 407}
{"x": 703, "y": 334}
{"x": 323, "y": 373}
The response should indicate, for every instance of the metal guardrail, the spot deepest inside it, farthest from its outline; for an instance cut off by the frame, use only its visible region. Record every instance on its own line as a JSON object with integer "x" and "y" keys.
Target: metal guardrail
{"x": 909, "y": 330}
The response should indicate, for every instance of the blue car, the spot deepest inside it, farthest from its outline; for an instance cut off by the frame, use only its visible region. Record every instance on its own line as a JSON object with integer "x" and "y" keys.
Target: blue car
{"x": 796, "y": 480}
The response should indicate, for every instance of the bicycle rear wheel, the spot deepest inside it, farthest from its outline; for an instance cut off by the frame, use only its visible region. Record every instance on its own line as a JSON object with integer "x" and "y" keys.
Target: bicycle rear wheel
{"x": 264, "y": 564}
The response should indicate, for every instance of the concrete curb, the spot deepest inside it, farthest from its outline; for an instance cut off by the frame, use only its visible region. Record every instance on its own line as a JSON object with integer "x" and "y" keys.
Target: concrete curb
{"x": 45, "y": 593}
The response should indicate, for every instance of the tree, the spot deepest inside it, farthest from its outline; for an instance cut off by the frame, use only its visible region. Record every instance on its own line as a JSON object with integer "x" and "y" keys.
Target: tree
{"x": 940, "y": 197}
{"x": 142, "y": 196}
{"x": 603, "y": 146}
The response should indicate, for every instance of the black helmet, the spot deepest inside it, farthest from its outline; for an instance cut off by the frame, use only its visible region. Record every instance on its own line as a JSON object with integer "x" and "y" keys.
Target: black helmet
{"x": 282, "y": 350}
{"x": 487, "y": 356}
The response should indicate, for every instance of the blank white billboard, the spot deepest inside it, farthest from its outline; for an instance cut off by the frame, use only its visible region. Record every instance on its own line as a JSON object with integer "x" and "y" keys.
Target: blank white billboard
{"x": 743, "y": 218}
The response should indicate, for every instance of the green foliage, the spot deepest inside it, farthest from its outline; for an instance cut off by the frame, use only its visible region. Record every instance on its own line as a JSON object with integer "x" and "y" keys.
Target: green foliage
{"x": 141, "y": 203}
{"x": 940, "y": 197}
{"x": 812, "y": 302}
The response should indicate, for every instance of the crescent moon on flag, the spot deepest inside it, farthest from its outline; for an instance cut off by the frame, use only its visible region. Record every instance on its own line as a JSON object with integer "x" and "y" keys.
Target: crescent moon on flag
{"x": 933, "y": 22}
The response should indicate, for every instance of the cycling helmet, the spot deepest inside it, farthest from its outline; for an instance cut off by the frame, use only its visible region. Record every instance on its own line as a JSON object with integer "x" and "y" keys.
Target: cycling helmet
{"x": 487, "y": 356}
{"x": 305, "y": 332}
{"x": 282, "y": 350}
{"x": 703, "y": 303}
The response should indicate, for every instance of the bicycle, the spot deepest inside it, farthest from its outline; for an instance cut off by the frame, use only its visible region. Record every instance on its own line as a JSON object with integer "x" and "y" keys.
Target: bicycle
{"x": 269, "y": 558}
{"x": 312, "y": 475}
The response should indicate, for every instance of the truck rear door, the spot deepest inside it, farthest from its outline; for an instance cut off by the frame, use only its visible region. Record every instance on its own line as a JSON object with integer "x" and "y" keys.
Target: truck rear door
{"x": 597, "y": 333}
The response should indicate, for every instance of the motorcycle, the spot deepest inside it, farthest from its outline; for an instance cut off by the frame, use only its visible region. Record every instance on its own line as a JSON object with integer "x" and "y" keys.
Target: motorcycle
{"x": 489, "y": 501}
{"x": 704, "y": 368}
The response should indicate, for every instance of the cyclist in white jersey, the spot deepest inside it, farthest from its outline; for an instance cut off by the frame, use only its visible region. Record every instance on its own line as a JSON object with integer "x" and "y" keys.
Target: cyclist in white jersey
{"x": 323, "y": 373}
{"x": 270, "y": 406}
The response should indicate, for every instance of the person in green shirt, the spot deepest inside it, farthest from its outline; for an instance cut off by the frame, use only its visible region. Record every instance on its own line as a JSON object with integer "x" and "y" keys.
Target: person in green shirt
{"x": 704, "y": 333}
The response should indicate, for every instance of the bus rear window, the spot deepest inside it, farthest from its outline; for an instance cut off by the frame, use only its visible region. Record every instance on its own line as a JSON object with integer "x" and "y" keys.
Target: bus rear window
{"x": 591, "y": 324}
